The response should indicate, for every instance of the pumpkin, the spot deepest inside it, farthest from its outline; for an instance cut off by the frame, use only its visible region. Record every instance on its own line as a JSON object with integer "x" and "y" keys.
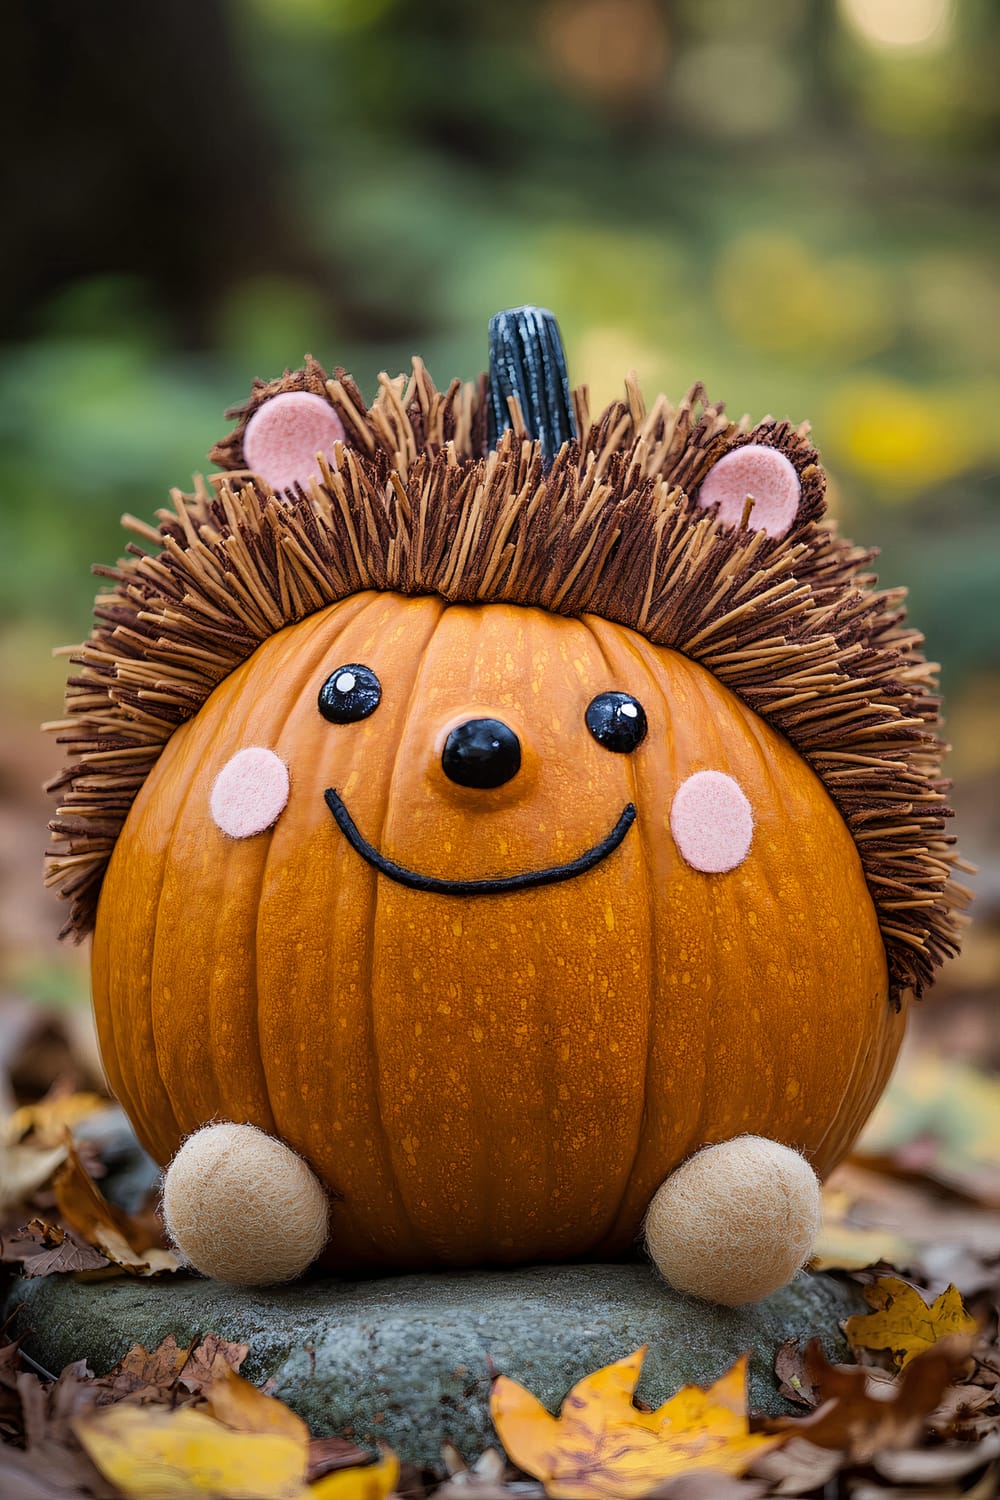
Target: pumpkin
{"x": 487, "y": 1077}
{"x": 497, "y": 826}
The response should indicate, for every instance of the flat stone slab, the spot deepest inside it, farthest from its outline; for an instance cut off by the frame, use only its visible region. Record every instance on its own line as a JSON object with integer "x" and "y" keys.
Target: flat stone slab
{"x": 408, "y": 1360}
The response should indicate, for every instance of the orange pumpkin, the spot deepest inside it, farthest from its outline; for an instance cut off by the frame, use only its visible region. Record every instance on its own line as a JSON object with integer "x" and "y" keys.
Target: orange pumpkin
{"x": 501, "y": 1077}
{"x": 587, "y": 822}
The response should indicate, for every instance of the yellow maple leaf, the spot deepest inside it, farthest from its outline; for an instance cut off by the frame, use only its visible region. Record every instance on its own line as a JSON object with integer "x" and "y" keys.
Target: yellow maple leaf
{"x": 156, "y": 1453}
{"x": 601, "y": 1445}
{"x": 241, "y": 1445}
{"x": 241, "y": 1406}
{"x": 902, "y": 1321}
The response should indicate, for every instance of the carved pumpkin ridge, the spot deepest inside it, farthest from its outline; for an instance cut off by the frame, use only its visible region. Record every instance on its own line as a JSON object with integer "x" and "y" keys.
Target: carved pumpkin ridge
{"x": 793, "y": 625}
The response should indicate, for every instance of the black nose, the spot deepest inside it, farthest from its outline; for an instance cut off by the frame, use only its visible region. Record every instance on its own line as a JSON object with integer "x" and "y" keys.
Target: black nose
{"x": 481, "y": 752}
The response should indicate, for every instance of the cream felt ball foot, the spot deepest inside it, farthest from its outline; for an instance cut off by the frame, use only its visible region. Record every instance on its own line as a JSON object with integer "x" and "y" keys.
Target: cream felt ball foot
{"x": 736, "y": 1221}
{"x": 242, "y": 1207}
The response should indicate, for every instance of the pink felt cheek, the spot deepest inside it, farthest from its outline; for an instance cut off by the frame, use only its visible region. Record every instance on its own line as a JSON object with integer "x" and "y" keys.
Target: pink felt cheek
{"x": 283, "y": 437}
{"x": 711, "y": 822}
{"x": 765, "y": 474}
{"x": 250, "y": 792}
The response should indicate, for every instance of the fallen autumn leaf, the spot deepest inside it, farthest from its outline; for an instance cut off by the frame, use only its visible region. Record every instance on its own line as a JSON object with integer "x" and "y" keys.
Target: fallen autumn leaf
{"x": 903, "y": 1323}
{"x": 158, "y": 1453}
{"x": 864, "y": 1411}
{"x": 602, "y": 1445}
{"x": 123, "y": 1238}
{"x": 371, "y": 1482}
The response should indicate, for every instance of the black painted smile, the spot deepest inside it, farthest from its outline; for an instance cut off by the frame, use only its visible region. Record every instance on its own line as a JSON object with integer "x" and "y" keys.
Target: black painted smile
{"x": 495, "y": 886}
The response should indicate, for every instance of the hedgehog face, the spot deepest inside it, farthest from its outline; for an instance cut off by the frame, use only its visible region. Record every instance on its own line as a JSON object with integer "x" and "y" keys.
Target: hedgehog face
{"x": 491, "y": 741}
{"x": 476, "y": 752}
{"x": 480, "y": 753}
{"x": 568, "y": 750}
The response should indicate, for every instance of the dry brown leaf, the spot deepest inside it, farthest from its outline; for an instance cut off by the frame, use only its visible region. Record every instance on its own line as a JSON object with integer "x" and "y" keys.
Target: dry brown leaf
{"x": 41, "y": 1424}
{"x": 34, "y": 1408}
{"x": 170, "y": 1372}
{"x": 601, "y": 1445}
{"x": 208, "y": 1360}
{"x": 863, "y": 1414}
{"x": 796, "y": 1377}
{"x": 984, "y": 1489}
{"x": 966, "y": 1412}
{"x": 143, "y": 1374}
{"x": 124, "y": 1238}
{"x": 326, "y": 1455}
{"x": 67, "y": 1255}
{"x": 902, "y": 1322}
{"x": 938, "y": 1465}
{"x": 798, "y": 1468}
{"x": 53, "y": 1474}
{"x": 45, "y": 1249}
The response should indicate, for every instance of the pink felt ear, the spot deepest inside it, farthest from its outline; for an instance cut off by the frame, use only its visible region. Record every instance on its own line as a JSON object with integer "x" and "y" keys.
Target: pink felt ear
{"x": 283, "y": 437}
{"x": 711, "y": 822}
{"x": 250, "y": 792}
{"x": 754, "y": 470}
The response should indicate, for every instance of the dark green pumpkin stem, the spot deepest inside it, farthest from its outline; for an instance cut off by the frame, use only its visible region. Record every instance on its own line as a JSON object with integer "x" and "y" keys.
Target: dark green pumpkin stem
{"x": 527, "y": 362}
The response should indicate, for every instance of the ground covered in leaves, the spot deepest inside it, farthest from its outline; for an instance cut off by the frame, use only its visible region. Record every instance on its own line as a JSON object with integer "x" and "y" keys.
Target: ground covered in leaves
{"x": 914, "y": 1217}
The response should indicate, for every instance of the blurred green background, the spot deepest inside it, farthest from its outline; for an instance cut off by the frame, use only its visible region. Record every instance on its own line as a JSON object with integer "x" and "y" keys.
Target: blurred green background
{"x": 795, "y": 201}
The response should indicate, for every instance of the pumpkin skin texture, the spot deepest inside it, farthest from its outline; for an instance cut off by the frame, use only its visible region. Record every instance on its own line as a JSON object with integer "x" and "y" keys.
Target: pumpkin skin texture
{"x": 485, "y": 1079}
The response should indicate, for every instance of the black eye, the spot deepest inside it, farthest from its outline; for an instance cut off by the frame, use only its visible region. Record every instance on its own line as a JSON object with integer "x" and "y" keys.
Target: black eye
{"x": 351, "y": 693}
{"x": 617, "y": 721}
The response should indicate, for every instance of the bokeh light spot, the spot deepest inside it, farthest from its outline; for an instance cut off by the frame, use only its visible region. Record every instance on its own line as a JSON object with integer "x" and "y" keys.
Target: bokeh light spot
{"x": 898, "y": 437}
{"x": 609, "y": 49}
{"x": 922, "y": 25}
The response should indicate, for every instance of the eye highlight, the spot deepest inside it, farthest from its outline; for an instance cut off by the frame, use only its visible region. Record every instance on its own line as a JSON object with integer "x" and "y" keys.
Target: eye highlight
{"x": 617, "y": 721}
{"x": 350, "y": 693}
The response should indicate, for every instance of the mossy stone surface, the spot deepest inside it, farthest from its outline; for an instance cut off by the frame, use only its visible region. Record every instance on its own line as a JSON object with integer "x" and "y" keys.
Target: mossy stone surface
{"x": 407, "y": 1360}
